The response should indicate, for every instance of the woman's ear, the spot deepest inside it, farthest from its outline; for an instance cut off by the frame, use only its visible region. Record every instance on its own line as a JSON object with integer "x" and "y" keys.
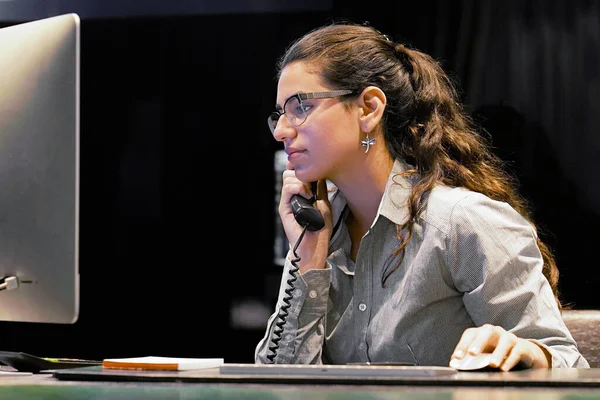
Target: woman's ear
{"x": 372, "y": 103}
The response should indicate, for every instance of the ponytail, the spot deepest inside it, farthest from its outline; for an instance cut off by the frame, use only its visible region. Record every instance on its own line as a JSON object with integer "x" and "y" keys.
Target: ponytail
{"x": 445, "y": 147}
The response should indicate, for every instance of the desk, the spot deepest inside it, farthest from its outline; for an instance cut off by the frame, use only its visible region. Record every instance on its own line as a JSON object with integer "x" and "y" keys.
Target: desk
{"x": 556, "y": 384}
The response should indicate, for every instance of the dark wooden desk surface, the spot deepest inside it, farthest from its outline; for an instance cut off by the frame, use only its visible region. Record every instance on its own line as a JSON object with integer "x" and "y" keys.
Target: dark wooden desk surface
{"x": 559, "y": 384}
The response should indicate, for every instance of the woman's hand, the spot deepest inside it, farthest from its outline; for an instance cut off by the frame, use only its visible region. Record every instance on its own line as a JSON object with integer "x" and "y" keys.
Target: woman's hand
{"x": 315, "y": 244}
{"x": 508, "y": 349}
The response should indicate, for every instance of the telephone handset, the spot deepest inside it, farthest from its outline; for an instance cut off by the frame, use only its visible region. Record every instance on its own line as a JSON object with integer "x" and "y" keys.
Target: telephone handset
{"x": 305, "y": 212}
{"x": 310, "y": 218}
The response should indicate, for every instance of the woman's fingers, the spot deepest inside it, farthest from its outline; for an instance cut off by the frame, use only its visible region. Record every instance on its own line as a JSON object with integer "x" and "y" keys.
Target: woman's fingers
{"x": 322, "y": 189}
{"x": 474, "y": 341}
{"x": 505, "y": 344}
{"x": 507, "y": 349}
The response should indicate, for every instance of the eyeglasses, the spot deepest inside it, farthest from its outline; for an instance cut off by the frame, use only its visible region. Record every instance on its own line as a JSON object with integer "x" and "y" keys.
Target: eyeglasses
{"x": 296, "y": 112}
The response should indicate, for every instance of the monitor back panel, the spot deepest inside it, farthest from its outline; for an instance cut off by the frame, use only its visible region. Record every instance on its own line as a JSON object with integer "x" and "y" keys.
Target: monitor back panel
{"x": 39, "y": 169}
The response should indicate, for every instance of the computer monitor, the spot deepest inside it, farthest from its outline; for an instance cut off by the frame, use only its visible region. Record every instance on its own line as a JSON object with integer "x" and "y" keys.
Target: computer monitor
{"x": 39, "y": 170}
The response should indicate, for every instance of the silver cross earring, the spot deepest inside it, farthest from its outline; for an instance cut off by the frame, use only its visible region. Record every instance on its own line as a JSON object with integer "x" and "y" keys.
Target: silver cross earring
{"x": 367, "y": 142}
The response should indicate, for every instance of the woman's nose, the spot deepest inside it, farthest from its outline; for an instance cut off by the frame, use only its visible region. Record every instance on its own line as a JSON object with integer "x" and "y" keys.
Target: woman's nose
{"x": 283, "y": 129}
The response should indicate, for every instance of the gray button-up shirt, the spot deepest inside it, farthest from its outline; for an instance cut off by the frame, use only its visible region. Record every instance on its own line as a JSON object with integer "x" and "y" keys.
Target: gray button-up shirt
{"x": 471, "y": 261}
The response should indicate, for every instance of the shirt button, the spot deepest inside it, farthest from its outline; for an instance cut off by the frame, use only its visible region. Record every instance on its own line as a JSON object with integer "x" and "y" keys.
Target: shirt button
{"x": 362, "y": 306}
{"x": 312, "y": 294}
{"x": 361, "y": 346}
{"x": 298, "y": 292}
{"x": 288, "y": 338}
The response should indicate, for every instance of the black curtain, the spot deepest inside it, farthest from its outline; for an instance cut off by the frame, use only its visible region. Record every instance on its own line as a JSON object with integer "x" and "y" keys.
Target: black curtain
{"x": 530, "y": 72}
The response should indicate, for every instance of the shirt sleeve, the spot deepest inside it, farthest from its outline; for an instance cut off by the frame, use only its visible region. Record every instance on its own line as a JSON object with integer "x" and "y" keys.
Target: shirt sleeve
{"x": 300, "y": 339}
{"x": 496, "y": 263}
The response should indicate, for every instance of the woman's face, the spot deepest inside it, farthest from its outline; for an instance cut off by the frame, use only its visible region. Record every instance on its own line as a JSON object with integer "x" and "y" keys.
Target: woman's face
{"x": 329, "y": 139}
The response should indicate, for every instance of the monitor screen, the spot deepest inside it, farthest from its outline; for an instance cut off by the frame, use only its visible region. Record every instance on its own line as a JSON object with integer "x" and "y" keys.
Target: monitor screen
{"x": 39, "y": 170}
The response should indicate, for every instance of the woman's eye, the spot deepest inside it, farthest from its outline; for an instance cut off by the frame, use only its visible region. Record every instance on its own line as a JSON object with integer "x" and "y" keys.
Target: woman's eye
{"x": 301, "y": 109}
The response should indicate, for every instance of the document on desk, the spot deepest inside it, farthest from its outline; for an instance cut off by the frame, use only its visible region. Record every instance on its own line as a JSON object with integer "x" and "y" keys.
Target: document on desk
{"x": 162, "y": 363}
{"x": 4, "y": 372}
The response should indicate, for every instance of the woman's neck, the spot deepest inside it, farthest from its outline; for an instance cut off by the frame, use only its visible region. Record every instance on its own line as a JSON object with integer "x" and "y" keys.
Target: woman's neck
{"x": 363, "y": 191}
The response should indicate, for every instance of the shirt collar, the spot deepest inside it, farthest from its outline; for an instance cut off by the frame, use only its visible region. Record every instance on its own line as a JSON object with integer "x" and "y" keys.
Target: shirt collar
{"x": 393, "y": 204}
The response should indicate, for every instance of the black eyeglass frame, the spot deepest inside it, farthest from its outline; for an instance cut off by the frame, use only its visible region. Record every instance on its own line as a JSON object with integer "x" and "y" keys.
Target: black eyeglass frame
{"x": 274, "y": 117}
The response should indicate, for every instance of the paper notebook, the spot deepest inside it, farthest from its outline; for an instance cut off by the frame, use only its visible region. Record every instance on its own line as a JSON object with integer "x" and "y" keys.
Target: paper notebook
{"x": 162, "y": 363}
{"x": 4, "y": 372}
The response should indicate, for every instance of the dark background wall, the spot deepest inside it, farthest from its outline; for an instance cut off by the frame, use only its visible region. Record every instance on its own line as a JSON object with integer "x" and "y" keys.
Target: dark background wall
{"x": 173, "y": 241}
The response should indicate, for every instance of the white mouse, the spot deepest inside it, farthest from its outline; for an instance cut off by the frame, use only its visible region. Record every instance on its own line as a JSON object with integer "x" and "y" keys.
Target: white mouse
{"x": 470, "y": 362}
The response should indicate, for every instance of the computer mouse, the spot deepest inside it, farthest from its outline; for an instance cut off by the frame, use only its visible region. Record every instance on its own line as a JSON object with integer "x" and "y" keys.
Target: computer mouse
{"x": 472, "y": 363}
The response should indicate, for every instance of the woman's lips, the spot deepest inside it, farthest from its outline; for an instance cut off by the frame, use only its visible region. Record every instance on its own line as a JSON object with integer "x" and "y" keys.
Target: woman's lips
{"x": 291, "y": 151}
{"x": 294, "y": 155}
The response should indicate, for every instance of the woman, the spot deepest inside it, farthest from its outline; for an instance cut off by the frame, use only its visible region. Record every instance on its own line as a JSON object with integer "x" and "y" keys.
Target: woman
{"x": 427, "y": 252}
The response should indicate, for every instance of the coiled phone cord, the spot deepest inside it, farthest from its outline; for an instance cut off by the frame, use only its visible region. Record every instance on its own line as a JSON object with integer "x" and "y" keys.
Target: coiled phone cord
{"x": 283, "y": 313}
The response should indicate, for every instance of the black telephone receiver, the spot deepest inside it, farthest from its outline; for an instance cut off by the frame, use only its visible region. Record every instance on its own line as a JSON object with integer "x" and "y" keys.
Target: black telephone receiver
{"x": 310, "y": 218}
{"x": 305, "y": 212}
